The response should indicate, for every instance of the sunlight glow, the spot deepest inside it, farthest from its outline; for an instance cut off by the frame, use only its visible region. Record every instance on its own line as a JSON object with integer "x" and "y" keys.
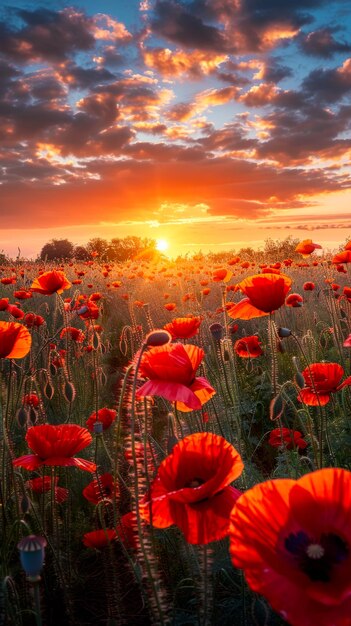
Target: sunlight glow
{"x": 161, "y": 245}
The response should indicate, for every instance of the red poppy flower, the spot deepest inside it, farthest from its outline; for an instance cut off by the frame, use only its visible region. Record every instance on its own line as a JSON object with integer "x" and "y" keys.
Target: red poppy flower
{"x": 183, "y": 327}
{"x": 31, "y": 399}
{"x": 321, "y": 379}
{"x": 43, "y": 485}
{"x": 221, "y": 275}
{"x": 55, "y": 445}
{"x": 342, "y": 257}
{"x": 171, "y": 369}
{"x": 127, "y": 530}
{"x": 306, "y": 247}
{"x": 22, "y": 294}
{"x": 347, "y": 342}
{"x": 15, "y": 340}
{"x": 294, "y": 300}
{"x": 192, "y": 489}
{"x": 88, "y": 311}
{"x": 99, "y": 538}
{"x": 287, "y": 438}
{"x": 8, "y": 280}
{"x": 74, "y": 333}
{"x": 292, "y": 538}
{"x": 4, "y": 302}
{"x": 98, "y": 489}
{"x": 248, "y": 347}
{"x": 265, "y": 294}
{"x": 51, "y": 282}
{"x": 106, "y": 416}
{"x": 170, "y": 306}
{"x": 309, "y": 286}
{"x": 15, "y": 311}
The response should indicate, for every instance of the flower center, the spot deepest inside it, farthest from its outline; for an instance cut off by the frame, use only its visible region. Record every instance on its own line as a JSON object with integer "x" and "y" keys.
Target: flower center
{"x": 195, "y": 482}
{"x": 315, "y": 551}
{"x": 317, "y": 558}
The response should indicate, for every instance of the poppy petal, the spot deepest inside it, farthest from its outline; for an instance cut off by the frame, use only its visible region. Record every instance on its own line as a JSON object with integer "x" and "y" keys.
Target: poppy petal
{"x": 244, "y": 310}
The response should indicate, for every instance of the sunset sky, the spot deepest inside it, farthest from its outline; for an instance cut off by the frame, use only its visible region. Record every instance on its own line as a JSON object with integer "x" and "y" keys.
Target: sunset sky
{"x": 213, "y": 124}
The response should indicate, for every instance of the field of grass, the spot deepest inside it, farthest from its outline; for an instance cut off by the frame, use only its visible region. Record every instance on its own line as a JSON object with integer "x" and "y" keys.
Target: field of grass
{"x": 180, "y": 523}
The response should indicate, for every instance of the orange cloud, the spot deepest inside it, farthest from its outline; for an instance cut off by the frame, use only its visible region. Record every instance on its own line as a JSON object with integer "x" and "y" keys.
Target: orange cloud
{"x": 173, "y": 63}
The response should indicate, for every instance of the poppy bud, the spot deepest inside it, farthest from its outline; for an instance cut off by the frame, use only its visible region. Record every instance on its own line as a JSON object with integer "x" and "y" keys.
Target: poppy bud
{"x": 96, "y": 341}
{"x": 216, "y": 330}
{"x": 284, "y": 332}
{"x": 98, "y": 427}
{"x": 24, "y": 505}
{"x": 49, "y": 391}
{"x": 158, "y": 337}
{"x": 32, "y": 553}
{"x": 33, "y": 415}
{"x": 276, "y": 408}
{"x": 280, "y": 347}
{"x": 69, "y": 391}
{"x": 53, "y": 369}
{"x": 22, "y": 417}
{"x": 299, "y": 380}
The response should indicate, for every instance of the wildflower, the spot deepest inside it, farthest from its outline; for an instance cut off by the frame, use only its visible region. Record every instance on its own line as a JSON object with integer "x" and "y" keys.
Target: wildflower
{"x": 285, "y": 437}
{"x": 265, "y": 294}
{"x": 74, "y": 333}
{"x": 306, "y": 247}
{"x": 221, "y": 274}
{"x": 99, "y": 538}
{"x": 321, "y": 379}
{"x": 55, "y": 445}
{"x": 4, "y": 302}
{"x": 43, "y": 484}
{"x": 105, "y": 416}
{"x": 292, "y": 538}
{"x": 294, "y": 300}
{"x": 183, "y": 327}
{"x": 342, "y": 257}
{"x": 170, "y": 306}
{"x": 51, "y": 282}
{"x": 309, "y": 286}
{"x": 192, "y": 488}
{"x": 15, "y": 311}
{"x": 101, "y": 488}
{"x": 15, "y": 340}
{"x": 31, "y": 399}
{"x": 171, "y": 369}
{"x": 248, "y": 347}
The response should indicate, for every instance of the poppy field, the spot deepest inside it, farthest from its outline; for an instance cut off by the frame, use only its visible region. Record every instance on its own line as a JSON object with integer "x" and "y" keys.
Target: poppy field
{"x": 175, "y": 441}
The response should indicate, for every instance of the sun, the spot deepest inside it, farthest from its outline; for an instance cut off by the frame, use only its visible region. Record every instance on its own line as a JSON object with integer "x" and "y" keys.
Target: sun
{"x": 161, "y": 245}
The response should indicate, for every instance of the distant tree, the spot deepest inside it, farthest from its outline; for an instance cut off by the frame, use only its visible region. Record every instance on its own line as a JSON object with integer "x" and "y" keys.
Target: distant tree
{"x": 99, "y": 245}
{"x": 248, "y": 254}
{"x": 3, "y": 258}
{"x": 277, "y": 250}
{"x": 121, "y": 250}
{"x": 57, "y": 249}
{"x": 81, "y": 253}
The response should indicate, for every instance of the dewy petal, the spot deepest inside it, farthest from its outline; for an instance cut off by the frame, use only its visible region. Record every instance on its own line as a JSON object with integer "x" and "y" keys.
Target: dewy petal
{"x": 244, "y": 310}
{"x": 174, "y": 392}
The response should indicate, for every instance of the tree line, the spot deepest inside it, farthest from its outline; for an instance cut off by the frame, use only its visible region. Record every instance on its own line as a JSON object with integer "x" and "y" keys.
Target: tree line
{"x": 117, "y": 249}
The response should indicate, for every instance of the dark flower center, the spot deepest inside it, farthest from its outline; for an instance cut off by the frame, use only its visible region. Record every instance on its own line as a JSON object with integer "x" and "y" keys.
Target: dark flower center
{"x": 316, "y": 558}
{"x": 195, "y": 482}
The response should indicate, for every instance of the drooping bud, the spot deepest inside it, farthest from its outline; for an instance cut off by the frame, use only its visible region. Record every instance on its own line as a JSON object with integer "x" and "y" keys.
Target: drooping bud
{"x": 284, "y": 332}
{"x": 299, "y": 380}
{"x": 69, "y": 391}
{"x": 159, "y": 337}
{"x": 217, "y": 331}
{"x": 49, "y": 390}
{"x": 22, "y": 417}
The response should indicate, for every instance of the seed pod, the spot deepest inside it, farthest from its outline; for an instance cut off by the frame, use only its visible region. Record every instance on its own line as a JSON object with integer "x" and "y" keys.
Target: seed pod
{"x": 25, "y": 504}
{"x": 96, "y": 341}
{"x": 33, "y": 415}
{"x": 217, "y": 330}
{"x": 49, "y": 391}
{"x": 276, "y": 408}
{"x": 69, "y": 391}
{"x": 299, "y": 380}
{"x": 22, "y": 417}
{"x": 280, "y": 347}
{"x": 158, "y": 337}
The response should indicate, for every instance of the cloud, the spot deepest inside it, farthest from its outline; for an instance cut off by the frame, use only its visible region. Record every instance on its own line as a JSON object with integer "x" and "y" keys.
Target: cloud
{"x": 322, "y": 43}
{"x": 172, "y": 63}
